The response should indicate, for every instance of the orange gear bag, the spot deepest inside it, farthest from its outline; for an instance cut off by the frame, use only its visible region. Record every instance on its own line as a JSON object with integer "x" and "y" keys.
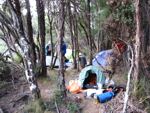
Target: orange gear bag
{"x": 74, "y": 87}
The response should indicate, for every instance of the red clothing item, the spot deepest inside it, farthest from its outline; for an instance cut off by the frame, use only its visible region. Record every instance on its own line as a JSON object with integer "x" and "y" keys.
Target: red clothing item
{"x": 120, "y": 46}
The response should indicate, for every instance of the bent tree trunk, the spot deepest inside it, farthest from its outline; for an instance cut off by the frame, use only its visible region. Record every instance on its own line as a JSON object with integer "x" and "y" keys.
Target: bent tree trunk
{"x": 24, "y": 49}
{"x": 30, "y": 75}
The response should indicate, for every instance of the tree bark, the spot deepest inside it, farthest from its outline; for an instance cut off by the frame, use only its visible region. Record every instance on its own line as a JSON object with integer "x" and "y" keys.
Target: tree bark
{"x": 41, "y": 27}
{"x": 30, "y": 34}
{"x": 52, "y": 44}
{"x": 50, "y": 19}
{"x": 137, "y": 44}
{"x": 76, "y": 50}
{"x": 145, "y": 26}
{"x": 89, "y": 30}
{"x": 30, "y": 75}
{"x": 71, "y": 23}
{"x": 76, "y": 37}
{"x": 61, "y": 77}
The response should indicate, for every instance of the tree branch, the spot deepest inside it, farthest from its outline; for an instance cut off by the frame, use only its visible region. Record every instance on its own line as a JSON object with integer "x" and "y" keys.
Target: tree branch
{"x": 128, "y": 82}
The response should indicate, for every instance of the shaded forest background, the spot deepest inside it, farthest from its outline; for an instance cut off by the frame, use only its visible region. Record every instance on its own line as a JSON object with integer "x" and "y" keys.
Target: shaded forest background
{"x": 87, "y": 26}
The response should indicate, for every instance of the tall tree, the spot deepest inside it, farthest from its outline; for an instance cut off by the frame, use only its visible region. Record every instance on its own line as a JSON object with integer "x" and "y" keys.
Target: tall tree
{"x": 50, "y": 15}
{"x": 61, "y": 21}
{"x": 89, "y": 29}
{"x": 76, "y": 42}
{"x": 41, "y": 27}
{"x": 137, "y": 43}
{"x": 73, "y": 36}
{"x": 30, "y": 34}
{"x": 145, "y": 26}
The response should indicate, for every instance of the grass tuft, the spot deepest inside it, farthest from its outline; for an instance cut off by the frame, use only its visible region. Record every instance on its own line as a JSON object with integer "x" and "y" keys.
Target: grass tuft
{"x": 142, "y": 93}
{"x": 36, "y": 106}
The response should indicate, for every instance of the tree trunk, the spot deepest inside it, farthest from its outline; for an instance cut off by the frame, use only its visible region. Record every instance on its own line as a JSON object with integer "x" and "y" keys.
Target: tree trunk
{"x": 30, "y": 34}
{"x": 30, "y": 75}
{"x": 52, "y": 44}
{"x": 76, "y": 37}
{"x": 61, "y": 20}
{"x": 137, "y": 44}
{"x": 71, "y": 32}
{"x": 145, "y": 26}
{"x": 86, "y": 33}
{"x": 89, "y": 30}
{"x": 41, "y": 26}
{"x": 50, "y": 20}
{"x": 98, "y": 40}
{"x": 146, "y": 39}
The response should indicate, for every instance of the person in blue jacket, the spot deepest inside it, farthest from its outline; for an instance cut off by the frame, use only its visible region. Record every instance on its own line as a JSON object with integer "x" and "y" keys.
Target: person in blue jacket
{"x": 107, "y": 59}
{"x": 63, "y": 48}
{"x": 48, "y": 50}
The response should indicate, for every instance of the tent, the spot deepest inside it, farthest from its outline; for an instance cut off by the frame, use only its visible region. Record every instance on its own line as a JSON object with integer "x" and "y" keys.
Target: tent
{"x": 91, "y": 74}
{"x": 68, "y": 55}
{"x": 49, "y": 58}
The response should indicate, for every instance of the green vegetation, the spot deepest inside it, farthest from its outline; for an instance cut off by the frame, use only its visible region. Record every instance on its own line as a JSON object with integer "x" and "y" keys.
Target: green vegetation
{"x": 73, "y": 107}
{"x": 17, "y": 58}
{"x": 3, "y": 46}
{"x": 49, "y": 106}
{"x": 142, "y": 93}
{"x": 125, "y": 13}
{"x": 36, "y": 106}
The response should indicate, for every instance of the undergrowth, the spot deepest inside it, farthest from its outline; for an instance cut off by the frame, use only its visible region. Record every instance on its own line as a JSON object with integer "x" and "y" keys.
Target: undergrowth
{"x": 142, "y": 93}
{"x": 73, "y": 107}
{"x": 69, "y": 104}
{"x": 36, "y": 106}
{"x": 39, "y": 106}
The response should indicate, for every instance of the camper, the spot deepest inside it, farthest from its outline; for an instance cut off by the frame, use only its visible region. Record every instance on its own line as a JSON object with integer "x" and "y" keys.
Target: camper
{"x": 48, "y": 49}
{"x": 82, "y": 60}
{"x": 107, "y": 59}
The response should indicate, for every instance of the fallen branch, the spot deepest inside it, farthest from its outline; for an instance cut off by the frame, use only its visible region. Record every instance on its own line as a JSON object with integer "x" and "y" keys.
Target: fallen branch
{"x": 57, "y": 109}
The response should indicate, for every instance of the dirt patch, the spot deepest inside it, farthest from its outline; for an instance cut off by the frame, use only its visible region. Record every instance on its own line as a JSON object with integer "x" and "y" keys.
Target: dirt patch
{"x": 14, "y": 92}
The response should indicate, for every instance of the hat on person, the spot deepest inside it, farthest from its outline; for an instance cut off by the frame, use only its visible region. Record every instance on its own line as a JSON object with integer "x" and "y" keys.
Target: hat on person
{"x": 120, "y": 46}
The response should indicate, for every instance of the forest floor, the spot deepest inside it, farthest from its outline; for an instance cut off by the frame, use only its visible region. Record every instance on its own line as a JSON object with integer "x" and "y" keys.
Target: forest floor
{"x": 14, "y": 99}
{"x": 49, "y": 86}
{"x": 14, "y": 91}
